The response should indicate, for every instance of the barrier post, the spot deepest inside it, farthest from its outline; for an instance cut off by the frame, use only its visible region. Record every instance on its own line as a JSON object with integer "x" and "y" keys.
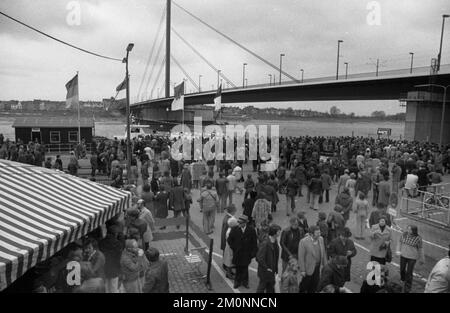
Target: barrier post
{"x": 208, "y": 274}
{"x": 186, "y": 249}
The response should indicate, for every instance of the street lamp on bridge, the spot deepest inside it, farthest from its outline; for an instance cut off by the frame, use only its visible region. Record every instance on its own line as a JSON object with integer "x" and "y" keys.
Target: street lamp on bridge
{"x": 199, "y": 85}
{"x": 441, "y": 133}
{"x": 246, "y": 82}
{"x": 346, "y": 69}
{"x": 243, "y": 74}
{"x": 412, "y": 59}
{"x": 301, "y": 70}
{"x": 281, "y": 62}
{"x": 337, "y": 63}
{"x": 444, "y": 16}
{"x": 218, "y": 78}
{"x": 125, "y": 60}
{"x": 270, "y": 79}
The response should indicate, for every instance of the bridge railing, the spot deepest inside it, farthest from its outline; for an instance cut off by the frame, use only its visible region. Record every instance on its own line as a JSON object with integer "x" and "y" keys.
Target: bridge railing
{"x": 420, "y": 70}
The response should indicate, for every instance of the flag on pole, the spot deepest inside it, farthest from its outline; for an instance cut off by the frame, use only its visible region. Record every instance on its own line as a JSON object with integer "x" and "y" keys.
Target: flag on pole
{"x": 122, "y": 85}
{"x": 178, "y": 99}
{"x": 218, "y": 99}
{"x": 72, "y": 93}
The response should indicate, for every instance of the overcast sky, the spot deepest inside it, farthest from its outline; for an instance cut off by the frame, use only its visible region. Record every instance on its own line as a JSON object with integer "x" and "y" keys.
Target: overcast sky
{"x": 306, "y": 31}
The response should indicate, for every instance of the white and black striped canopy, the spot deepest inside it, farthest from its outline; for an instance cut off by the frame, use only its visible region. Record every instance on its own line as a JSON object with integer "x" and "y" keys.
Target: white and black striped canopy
{"x": 43, "y": 210}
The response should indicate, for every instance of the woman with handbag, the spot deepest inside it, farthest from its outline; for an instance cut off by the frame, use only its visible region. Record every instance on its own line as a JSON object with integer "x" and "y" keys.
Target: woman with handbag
{"x": 381, "y": 238}
{"x": 209, "y": 203}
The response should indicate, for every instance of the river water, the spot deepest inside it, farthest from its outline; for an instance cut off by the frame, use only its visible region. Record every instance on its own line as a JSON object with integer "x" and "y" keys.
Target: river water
{"x": 110, "y": 129}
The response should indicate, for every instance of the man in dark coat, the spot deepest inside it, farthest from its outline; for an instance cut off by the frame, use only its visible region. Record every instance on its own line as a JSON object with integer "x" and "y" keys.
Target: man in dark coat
{"x": 344, "y": 246}
{"x": 157, "y": 274}
{"x": 290, "y": 238}
{"x": 112, "y": 250}
{"x": 334, "y": 274}
{"x": 267, "y": 258}
{"x": 243, "y": 242}
{"x": 222, "y": 191}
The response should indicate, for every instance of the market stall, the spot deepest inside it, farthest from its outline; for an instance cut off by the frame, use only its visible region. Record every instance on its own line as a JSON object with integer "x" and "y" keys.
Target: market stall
{"x": 43, "y": 210}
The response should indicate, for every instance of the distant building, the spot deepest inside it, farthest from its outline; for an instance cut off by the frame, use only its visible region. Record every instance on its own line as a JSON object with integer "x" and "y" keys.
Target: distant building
{"x": 16, "y": 106}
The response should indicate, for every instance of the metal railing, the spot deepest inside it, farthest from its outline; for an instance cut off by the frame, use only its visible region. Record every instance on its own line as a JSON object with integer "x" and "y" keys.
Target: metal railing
{"x": 431, "y": 205}
{"x": 63, "y": 147}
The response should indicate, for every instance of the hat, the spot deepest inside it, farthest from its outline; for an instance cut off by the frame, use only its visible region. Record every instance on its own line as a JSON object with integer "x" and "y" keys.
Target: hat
{"x": 140, "y": 201}
{"x": 232, "y": 222}
{"x": 346, "y": 171}
{"x": 243, "y": 219}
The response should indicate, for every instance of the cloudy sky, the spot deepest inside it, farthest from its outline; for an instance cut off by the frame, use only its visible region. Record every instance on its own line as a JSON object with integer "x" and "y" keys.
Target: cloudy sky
{"x": 306, "y": 31}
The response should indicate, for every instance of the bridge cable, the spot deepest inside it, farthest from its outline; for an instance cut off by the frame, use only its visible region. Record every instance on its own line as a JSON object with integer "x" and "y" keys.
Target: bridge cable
{"x": 151, "y": 52}
{"x": 184, "y": 72}
{"x": 203, "y": 58}
{"x": 61, "y": 41}
{"x": 157, "y": 76}
{"x": 235, "y": 42}
{"x": 149, "y": 78}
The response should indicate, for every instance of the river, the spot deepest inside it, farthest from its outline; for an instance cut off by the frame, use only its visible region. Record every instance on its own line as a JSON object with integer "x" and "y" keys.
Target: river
{"x": 110, "y": 129}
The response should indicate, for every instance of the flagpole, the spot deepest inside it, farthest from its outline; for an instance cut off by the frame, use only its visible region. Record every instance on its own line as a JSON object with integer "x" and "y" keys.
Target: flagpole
{"x": 79, "y": 125}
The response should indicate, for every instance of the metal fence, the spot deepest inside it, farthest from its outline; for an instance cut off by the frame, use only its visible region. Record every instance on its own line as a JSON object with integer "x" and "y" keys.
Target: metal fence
{"x": 63, "y": 147}
{"x": 431, "y": 205}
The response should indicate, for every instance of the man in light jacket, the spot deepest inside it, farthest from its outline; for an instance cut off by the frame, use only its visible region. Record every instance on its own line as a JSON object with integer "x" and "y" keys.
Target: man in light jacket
{"x": 439, "y": 279}
{"x": 311, "y": 258}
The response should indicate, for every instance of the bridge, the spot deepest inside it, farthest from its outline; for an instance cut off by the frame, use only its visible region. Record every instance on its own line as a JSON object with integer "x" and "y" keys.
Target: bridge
{"x": 423, "y": 109}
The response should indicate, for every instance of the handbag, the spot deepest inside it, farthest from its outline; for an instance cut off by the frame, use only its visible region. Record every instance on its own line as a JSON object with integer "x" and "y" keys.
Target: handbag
{"x": 389, "y": 254}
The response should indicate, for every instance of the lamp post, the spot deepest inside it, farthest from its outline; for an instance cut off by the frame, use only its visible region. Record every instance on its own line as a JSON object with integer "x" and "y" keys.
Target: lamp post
{"x": 246, "y": 82}
{"x": 243, "y": 74}
{"x": 337, "y": 62}
{"x": 129, "y": 48}
{"x": 218, "y": 78}
{"x": 281, "y": 63}
{"x": 412, "y": 60}
{"x": 441, "y": 133}
{"x": 199, "y": 83}
{"x": 302, "y": 74}
{"x": 346, "y": 69}
{"x": 270, "y": 79}
{"x": 444, "y": 16}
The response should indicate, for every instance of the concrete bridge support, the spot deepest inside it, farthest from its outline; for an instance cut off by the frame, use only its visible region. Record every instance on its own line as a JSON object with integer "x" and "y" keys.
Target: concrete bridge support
{"x": 424, "y": 115}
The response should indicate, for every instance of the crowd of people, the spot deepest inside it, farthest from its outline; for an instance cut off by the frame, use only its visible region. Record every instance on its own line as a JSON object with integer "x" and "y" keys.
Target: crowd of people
{"x": 315, "y": 255}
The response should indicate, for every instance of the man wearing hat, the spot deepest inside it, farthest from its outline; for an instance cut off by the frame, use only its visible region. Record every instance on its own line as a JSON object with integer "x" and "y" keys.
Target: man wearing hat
{"x": 243, "y": 242}
{"x": 344, "y": 246}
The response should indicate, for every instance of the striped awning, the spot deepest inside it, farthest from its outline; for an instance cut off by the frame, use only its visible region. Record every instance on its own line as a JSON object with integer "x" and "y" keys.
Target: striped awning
{"x": 43, "y": 210}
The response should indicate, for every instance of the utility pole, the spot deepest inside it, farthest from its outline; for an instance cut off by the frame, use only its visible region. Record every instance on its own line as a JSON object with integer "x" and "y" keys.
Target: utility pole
{"x": 168, "y": 13}
{"x": 346, "y": 69}
{"x": 302, "y": 74}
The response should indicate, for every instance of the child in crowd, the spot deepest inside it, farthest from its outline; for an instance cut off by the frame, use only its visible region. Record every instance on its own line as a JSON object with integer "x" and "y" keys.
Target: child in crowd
{"x": 289, "y": 279}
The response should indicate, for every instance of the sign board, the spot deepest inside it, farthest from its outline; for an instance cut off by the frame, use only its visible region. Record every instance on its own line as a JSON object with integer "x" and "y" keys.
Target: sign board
{"x": 384, "y": 132}
{"x": 35, "y": 129}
